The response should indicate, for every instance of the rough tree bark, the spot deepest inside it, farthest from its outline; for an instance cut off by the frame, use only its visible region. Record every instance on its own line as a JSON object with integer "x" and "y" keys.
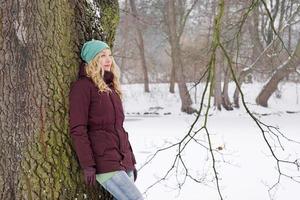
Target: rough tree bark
{"x": 282, "y": 72}
{"x": 140, "y": 44}
{"x": 39, "y": 56}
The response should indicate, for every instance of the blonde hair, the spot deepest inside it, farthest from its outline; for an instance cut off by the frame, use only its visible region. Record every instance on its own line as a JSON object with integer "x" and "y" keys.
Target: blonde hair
{"x": 96, "y": 73}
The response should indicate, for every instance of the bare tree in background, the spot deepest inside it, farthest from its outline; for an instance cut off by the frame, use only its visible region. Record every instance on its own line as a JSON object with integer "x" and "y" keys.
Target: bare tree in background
{"x": 140, "y": 43}
{"x": 39, "y": 56}
{"x": 222, "y": 74}
{"x": 291, "y": 63}
{"x": 175, "y": 18}
{"x": 289, "y": 66}
{"x": 260, "y": 51}
{"x": 272, "y": 136}
{"x": 269, "y": 52}
{"x": 125, "y": 39}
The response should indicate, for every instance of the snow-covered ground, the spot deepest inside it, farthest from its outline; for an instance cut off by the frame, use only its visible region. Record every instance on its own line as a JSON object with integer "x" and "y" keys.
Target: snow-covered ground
{"x": 244, "y": 164}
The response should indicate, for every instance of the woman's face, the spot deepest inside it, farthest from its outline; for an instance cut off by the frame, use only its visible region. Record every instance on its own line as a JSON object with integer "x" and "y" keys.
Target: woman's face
{"x": 105, "y": 59}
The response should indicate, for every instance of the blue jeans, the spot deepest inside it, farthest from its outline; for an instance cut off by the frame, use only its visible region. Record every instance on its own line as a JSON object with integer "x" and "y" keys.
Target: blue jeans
{"x": 122, "y": 186}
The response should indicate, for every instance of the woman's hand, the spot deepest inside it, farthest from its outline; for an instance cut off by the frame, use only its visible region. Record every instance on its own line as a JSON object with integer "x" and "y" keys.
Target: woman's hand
{"x": 90, "y": 176}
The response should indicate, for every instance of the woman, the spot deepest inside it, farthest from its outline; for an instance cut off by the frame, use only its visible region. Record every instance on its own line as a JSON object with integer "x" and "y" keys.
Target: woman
{"x": 96, "y": 124}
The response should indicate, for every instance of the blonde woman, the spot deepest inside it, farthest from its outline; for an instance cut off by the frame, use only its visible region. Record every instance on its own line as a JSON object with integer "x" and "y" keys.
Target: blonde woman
{"x": 96, "y": 124}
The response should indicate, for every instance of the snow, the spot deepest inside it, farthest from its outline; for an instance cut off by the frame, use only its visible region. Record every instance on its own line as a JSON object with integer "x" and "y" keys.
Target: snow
{"x": 244, "y": 164}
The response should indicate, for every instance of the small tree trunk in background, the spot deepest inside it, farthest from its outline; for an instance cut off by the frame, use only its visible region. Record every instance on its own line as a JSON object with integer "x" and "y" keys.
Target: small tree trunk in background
{"x": 253, "y": 26}
{"x": 257, "y": 48}
{"x": 140, "y": 45}
{"x": 125, "y": 44}
{"x": 290, "y": 12}
{"x": 172, "y": 80}
{"x": 185, "y": 97}
{"x": 218, "y": 82}
{"x": 221, "y": 72}
{"x": 236, "y": 95}
{"x": 225, "y": 97}
{"x": 176, "y": 17}
{"x": 39, "y": 57}
{"x": 269, "y": 33}
{"x": 281, "y": 73}
{"x": 225, "y": 68}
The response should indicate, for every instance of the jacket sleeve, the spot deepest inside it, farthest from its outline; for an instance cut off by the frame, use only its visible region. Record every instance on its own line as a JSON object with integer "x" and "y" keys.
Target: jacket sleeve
{"x": 131, "y": 151}
{"x": 79, "y": 101}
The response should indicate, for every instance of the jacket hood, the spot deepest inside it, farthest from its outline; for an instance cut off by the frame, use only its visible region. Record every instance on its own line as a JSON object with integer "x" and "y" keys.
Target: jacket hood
{"x": 81, "y": 71}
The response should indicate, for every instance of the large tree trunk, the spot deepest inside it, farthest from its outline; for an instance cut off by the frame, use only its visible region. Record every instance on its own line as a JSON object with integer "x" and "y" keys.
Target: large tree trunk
{"x": 281, "y": 73}
{"x": 185, "y": 97}
{"x": 140, "y": 45}
{"x": 39, "y": 55}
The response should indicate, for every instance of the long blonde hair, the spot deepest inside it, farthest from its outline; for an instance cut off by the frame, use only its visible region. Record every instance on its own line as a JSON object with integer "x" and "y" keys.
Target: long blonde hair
{"x": 96, "y": 73}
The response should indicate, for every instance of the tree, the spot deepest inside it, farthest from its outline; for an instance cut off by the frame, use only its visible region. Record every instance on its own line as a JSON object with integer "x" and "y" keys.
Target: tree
{"x": 140, "y": 44}
{"x": 221, "y": 97}
{"x": 272, "y": 136}
{"x": 289, "y": 66}
{"x": 175, "y": 20}
{"x": 39, "y": 56}
{"x": 268, "y": 40}
{"x": 125, "y": 40}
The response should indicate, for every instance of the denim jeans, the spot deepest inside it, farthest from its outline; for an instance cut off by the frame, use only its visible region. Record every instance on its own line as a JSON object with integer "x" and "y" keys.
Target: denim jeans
{"x": 122, "y": 186}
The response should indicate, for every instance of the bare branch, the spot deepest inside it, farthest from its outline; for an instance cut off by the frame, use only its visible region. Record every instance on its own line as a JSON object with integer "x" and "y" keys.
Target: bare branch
{"x": 263, "y": 130}
{"x": 185, "y": 17}
{"x": 273, "y": 27}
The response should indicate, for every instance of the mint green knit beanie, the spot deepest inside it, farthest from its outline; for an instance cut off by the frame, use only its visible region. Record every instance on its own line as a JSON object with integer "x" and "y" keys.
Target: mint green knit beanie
{"x": 91, "y": 48}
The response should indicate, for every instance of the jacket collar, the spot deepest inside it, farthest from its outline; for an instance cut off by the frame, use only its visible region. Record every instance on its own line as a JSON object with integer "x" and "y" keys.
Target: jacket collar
{"x": 108, "y": 77}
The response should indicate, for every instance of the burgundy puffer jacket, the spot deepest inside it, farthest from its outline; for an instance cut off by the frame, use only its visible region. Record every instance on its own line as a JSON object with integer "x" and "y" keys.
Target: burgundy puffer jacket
{"x": 96, "y": 126}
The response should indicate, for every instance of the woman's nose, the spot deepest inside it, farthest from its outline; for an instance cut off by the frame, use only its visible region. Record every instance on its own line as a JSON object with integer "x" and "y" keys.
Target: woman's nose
{"x": 108, "y": 59}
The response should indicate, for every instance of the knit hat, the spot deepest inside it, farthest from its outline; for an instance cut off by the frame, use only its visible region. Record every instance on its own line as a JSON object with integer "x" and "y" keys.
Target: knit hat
{"x": 91, "y": 48}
